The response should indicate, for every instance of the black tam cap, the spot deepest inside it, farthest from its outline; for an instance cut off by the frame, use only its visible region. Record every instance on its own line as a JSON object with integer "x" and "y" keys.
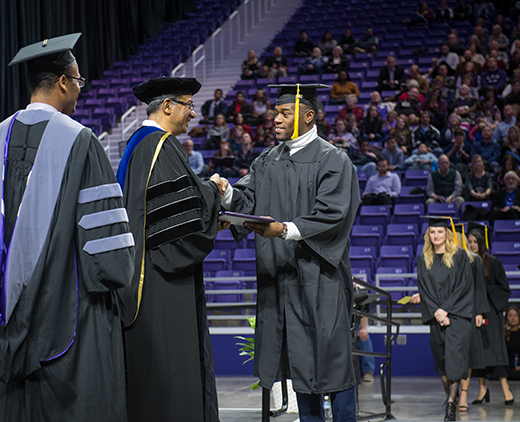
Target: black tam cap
{"x": 165, "y": 87}
{"x": 483, "y": 229}
{"x": 440, "y": 221}
{"x": 48, "y": 57}
{"x": 308, "y": 93}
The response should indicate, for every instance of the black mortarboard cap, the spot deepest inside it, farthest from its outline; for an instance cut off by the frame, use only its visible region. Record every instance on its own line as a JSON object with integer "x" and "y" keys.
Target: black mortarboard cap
{"x": 482, "y": 228}
{"x": 164, "y": 87}
{"x": 440, "y": 221}
{"x": 460, "y": 228}
{"x": 48, "y": 57}
{"x": 309, "y": 95}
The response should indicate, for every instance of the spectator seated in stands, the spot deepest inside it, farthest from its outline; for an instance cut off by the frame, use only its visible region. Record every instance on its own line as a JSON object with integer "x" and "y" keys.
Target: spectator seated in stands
{"x": 459, "y": 152}
{"x": 449, "y": 58}
{"x": 513, "y": 98}
{"x": 217, "y": 133}
{"x": 239, "y": 121}
{"x": 213, "y": 107}
{"x": 410, "y": 106}
{"x": 513, "y": 64}
{"x": 463, "y": 11}
{"x": 382, "y": 188}
{"x": 343, "y": 135}
{"x": 367, "y": 44}
{"x": 389, "y": 123}
{"x": 509, "y": 120}
{"x": 512, "y": 334}
{"x": 495, "y": 54}
{"x": 422, "y": 17}
{"x": 426, "y": 134}
{"x": 487, "y": 112}
{"x": 324, "y": 127}
{"x": 251, "y": 67}
{"x": 463, "y": 60}
{"x": 239, "y": 106}
{"x": 479, "y": 183}
{"x": 444, "y": 82}
{"x": 476, "y": 50}
{"x": 235, "y": 137}
{"x": 342, "y": 88}
{"x": 364, "y": 160}
{"x": 415, "y": 75}
{"x": 511, "y": 145}
{"x": 483, "y": 9}
{"x": 337, "y": 62}
{"x": 347, "y": 42}
{"x": 421, "y": 160}
{"x": 506, "y": 202}
{"x": 194, "y": 157}
{"x": 223, "y": 162}
{"x": 479, "y": 36}
{"x": 469, "y": 71}
{"x": 327, "y": 43}
{"x": 493, "y": 76}
{"x": 391, "y": 76}
{"x": 402, "y": 134}
{"x": 436, "y": 107}
{"x": 444, "y": 185}
{"x": 259, "y": 107}
{"x": 245, "y": 155}
{"x": 276, "y": 65}
{"x": 454, "y": 44}
{"x": 265, "y": 129}
{"x": 412, "y": 83}
{"x": 464, "y": 105}
{"x": 467, "y": 80}
{"x": 508, "y": 164}
{"x": 487, "y": 149}
{"x": 448, "y": 133}
{"x": 304, "y": 46}
{"x": 351, "y": 108}
{"x": 382, "y": 108}
{"x": 498, "y": 37}
{"x": 313, "y": 65}
{"x": 393, "y": 155}
{"x": 371, "y": 127}
{"x": 444, "y": 13}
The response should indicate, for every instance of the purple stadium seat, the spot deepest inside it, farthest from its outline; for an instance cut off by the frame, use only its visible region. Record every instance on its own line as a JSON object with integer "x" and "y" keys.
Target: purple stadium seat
{"x": 80, "y": 114}
{"x": 93, "y": 103}
{"x": 229, "y": 285}
{"x": 119, "y": 105}
{"x": 93, "y": 124}
{"x": 362, "y": 256}
{"x": 391, "y": 281}
{"x": 363, "y": 272}
{"x": 402, "y": 234}
{"x": 408, "y": 213}
{"x": 477, "y": 204}
{"x": 244, "y": 260}
{"x": 449, "y": 210}
{"x": 250, "y": 241}
{"x": 506, "y": 230}
{"x": 224, "y": 240}
{"x": 106, "y": 115}
{"x": 416, "y": 177}
{"x": 217, "y": 260}
{"x": 104, "y": 93}
{"x": 118, "y": 83}
{"x": 507, "y": 252}
{"x": 396, "y": 256}
{"x": 207, "y": 154}
{"x": 374, "y": 214}
{"x": 367, "y": 236}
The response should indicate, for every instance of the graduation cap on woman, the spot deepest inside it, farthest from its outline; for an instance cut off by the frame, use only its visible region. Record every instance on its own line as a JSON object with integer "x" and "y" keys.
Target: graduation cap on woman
{"x": 441, "y": 221}
{"x": 46, "y": 58}
{"x": 483, "y": 229}
{"x": 298, "y": 94}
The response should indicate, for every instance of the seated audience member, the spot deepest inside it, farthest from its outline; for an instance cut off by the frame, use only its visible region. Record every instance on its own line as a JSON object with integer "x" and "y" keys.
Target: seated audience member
{"x": 436, "y": 107}
{"x": 213, "y": 107}
{"x": 479, "y": 183}
{"x": 421, "y": 160}
{"x": 501, "y": 63}
{"x": 371, "y": 127}
{"x": 223, "y": 162}
{"x": 448, "y": 133}
{"x": 426, "y": 134}
{"x": 444, "y": 13}
{"x": 304, "y": 46}
{"x": 468, "y": 81}
{"x": 276, "y": 65}
{"x": 422, "y": 17}
{"x": 463, "y": 11}
{"x": 403, "y": 96}
{"x": 337, "y": 62}
{"x": 259, "y": 107}
{"x": 483, "y": 9}
{"x": 514, "y": 63}
{"x": 235, "y": 137}
{"x": 265, "y": 129}
{"x": 512, "y": 334}
{"x": 367, "y": 44}
{"x": 458, "y": 152}
{"x": 327, "y": 43}
{"x": 389, "y": 123}
{"x": 454, "y": 44}
{"x": 239, "y": 121}
{"x": 415, "y": 75}
{"x": 467, "y": 58}
{"x": 375, "y": 100}
{"x": 251, "y": 67}
{"x": 468, "y": 71}
{"x": 391, "y": 76}
{"x": 493, "y": 76}
{"x": 324, "y": 127}
{"x": 487, "y": 112}
{"x": 239, "y": 106}
{"x": 347, "y": 42}
{"x": 402, "y": 134}
{"x": 487, "y": 149}
{"x": 393, "y": 155}
{"x": 500, "y": 20}
{"x": 513, "y": 98}
{"x": 506, "y": 201}
{"x": 351, "y": 108}
{"x": 476, "y": 56}
{"x": 463, "y": 104}
{"x": 342, "y": 88}
{"x": 410, "y": 106}
{"x": 449, "y": 58}
{"x": 498, "y": 37}
{"x": 445, "y": 83}
{"x": 444, "y": 185}
{"x": 342, "y": 136}
{"x": 313, "y": 65}
{"x": 382, "y": 188}
{"x": 217, "y": 133}
{"x": 364, "y": 160}
{"x": 508, "y": 164}
{"x": 508, "y": 121}
{"x": 480, "y": 35}
{"x": 511, "y": 145}
{"x": 245, "y": 155}
{"x": 194, "y": 157}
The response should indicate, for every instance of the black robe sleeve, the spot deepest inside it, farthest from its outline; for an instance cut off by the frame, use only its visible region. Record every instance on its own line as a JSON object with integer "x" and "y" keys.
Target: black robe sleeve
{"x": 481, "y": 302}
{"x": 497, "y": 286}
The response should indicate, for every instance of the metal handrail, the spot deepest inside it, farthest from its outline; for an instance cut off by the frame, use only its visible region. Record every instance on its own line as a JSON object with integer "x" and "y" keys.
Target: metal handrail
{"x": 176, "y": 69}
{"x": 201, "y": 60}
{"x": 218, "y": 31}
{"x": 132, "y": 123}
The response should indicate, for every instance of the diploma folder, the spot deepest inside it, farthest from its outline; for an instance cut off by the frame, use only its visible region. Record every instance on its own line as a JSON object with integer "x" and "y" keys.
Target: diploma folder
{"x": 238, "y": 219}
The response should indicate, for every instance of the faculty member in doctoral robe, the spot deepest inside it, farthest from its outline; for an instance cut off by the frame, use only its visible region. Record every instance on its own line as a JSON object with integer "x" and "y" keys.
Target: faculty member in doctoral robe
{"x": 305, "y": 292}
{"x": 173, "y": 216}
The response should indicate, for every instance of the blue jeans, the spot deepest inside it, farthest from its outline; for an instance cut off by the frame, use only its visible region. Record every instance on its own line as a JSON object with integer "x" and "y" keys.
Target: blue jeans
{"x": 310, "y": 406}
{"x": 368, "y": 168}
{"x": 368, "y": 363}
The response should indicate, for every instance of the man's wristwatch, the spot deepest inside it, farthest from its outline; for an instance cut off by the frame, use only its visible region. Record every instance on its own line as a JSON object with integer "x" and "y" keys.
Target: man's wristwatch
{"x": 283, "y": 235}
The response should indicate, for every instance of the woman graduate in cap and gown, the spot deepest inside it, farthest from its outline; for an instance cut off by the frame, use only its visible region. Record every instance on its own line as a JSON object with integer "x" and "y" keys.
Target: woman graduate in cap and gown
{"x": 498, "y": 293}
{"x": 446, "y": 289}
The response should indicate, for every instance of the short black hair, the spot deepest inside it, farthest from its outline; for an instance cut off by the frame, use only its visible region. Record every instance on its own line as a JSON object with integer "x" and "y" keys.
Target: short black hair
{"x": 44, "y": 86}
{"x": 154, "y": 106}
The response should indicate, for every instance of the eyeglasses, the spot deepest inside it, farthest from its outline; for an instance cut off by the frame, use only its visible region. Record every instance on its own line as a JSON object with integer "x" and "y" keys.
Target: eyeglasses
{"x": 191, "y": 106}
{"x": 81, "y": 81}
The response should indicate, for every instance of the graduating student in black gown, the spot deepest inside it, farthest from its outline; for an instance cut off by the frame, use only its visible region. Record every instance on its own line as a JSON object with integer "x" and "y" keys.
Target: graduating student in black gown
{"x": 446, "y": 288}
{"x": 68, "y": 248}
{"x": 304, "y": 278}
{"x": 168, "y": 349}
{"x": 498, "y": 293}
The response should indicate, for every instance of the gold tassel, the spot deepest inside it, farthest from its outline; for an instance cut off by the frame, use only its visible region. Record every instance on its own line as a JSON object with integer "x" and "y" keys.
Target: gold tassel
{"x": 454, "y": 232}
{"x": 486, "y": 235}
{"x": 296, "y": 112}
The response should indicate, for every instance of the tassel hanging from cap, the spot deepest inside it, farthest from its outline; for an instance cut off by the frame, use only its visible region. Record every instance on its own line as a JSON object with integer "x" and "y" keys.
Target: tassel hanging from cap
{"x": 296, "y": 112}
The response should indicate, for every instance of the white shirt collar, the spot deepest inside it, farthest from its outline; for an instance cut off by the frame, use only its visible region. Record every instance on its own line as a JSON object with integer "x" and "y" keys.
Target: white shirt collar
{"x": 41, "y": 106}
{"x": 302, "y": 141}
{"x": 153, "y": 123}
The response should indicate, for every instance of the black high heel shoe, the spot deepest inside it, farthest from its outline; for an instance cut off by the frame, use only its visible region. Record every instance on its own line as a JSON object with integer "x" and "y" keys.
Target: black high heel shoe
{"x": 486, "y": 398}
{"x": 450, "y": 412}
{"x": 509, "y": 402}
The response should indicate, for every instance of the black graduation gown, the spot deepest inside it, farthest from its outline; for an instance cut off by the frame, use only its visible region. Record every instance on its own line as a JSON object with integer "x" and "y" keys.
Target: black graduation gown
{"x": 304, "y": 303}
{"x": 498, "y": 293}
{"x": 62, "y": 310}
{"x": 476, "y": 349}
{"x": 168, "y": 350}
{"x": 451, "y": 289}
